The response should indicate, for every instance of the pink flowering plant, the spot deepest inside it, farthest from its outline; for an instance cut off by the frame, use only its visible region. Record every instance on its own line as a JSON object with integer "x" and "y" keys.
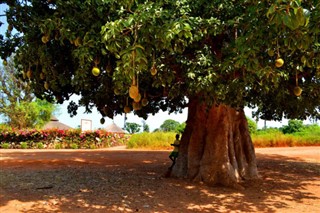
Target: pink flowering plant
{"x": 56, "y": 138}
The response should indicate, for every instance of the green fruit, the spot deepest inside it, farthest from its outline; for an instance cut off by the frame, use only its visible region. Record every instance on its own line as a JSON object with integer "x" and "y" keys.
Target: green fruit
{"x": 270, "y": 52}
{"x": 297, "y": 91}
{"x": 279, "y": 62}
{"x": 5, "y": 63}
{"x": 95, "y": 71}
{"x": 102, "y": 120}
{"x": 116, "y": 91}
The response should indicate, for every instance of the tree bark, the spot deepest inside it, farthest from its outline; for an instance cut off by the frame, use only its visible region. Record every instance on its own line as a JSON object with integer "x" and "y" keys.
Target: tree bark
{"x": 216, "y": 146}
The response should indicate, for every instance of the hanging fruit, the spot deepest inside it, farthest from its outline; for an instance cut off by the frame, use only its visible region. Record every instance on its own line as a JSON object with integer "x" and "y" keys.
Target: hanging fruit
{"x": 95, "y": 71}
{"x": 279, "y": 62}
{"x": 137, "y": 98}
{"x": 134, "y": 90}
{"x": 102, "y": 120}
{"x": 297, "y": 91}
{"x": 46, "y": 85}
{"x": 144, "y": 101}
{"x": 153, "y": 69}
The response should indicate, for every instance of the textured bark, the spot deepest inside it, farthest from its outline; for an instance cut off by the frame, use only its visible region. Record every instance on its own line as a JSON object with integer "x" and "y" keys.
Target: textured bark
{"x": 216, "y": 147}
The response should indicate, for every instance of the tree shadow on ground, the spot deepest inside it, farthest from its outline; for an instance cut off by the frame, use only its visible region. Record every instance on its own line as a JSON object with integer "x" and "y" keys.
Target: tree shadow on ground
{"x": 132, "y": 181}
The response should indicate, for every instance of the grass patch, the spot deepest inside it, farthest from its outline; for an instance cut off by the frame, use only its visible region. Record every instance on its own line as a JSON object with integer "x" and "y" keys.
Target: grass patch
{"x": 153, "y": 141}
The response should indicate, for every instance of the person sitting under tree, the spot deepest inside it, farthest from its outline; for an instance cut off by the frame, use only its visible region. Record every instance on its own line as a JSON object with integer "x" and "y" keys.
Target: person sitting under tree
{"x": 174, "y": 154}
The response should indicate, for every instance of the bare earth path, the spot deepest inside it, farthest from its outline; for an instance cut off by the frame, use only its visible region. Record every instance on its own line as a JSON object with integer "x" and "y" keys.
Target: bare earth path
{"x": 119, "y": 180}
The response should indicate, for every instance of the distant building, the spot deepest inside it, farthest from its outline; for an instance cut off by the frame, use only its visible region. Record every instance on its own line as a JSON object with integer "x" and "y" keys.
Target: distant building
{"x": 55, "y": 124}
{"x": 113, "y": 128}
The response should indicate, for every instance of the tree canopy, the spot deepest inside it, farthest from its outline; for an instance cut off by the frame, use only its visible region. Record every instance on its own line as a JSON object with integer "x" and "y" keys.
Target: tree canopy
{"x": 17, "y": 102}
{"x": 169, "y": 125}
{"x": 151, "y": 55}
{"x": 132, "y": 127}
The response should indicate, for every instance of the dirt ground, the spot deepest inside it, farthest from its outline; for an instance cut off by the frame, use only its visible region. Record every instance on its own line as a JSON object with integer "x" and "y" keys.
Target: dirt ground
{"x": 117, "y": 180}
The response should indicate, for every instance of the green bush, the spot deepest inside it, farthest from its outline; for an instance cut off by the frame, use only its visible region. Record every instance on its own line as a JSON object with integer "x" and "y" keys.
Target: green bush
{"x": 24, "y": 145}
{"x": 58, "y": 146}
{"x": 40, "y": 145}
{"x": 5, "y": 145}
{"x": 74, "y": 146}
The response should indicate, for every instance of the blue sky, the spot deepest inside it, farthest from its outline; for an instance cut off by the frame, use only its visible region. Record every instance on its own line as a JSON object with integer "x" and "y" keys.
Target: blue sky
{"x": 153, "y": 121}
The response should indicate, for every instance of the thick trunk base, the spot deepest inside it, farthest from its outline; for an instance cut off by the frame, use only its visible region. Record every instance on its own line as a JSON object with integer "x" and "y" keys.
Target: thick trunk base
{"x": 216, "y": 147}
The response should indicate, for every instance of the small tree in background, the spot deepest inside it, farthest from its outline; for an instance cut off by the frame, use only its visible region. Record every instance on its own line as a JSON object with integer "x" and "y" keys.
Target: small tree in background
{"x": 181, "y": 127}
{"x": 132, "y": 127}
{"x": 18, "y": 104}
{"x": 293, "y": 126}
{"x": 169, "y": 125}
{"x": 145, "y": 126}
{"x": 252, "y": 125}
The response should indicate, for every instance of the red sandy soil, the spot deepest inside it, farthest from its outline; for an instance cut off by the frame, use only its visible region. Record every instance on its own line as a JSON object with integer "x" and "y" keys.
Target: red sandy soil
{"x": 119, "y": 180}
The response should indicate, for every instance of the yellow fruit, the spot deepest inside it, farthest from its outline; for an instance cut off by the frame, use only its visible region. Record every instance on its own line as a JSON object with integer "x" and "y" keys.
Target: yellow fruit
{"x": 46, "y": 85}
{"x": 133, "y": 91}
{"x": 5, "y": 63}
{"x": 77, "y": 42}
{"x": 138, "y": 98}
{"x": 95, "y": 71}
{"x": 144, "y": 102}
{"x": 297, "y": 91}
{"x": 29, "y": 73}
{"x": 45, "y": 39}
{"x": 127, "y": 109}
{"x": 102, "y": 120}
{"x": 279, "y": 62}
{"x": 153, "y": 69}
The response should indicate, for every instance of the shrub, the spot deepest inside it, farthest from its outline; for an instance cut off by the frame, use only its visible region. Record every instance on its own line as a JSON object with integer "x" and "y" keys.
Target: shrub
{"x": 23, "y": 145}
{"x": 58, "y": 146}
{"x": 73, "y": 146}
{"x": 155, "y": 140}
{"x": 40, "y": 145}
{"x": 5, "y": 145}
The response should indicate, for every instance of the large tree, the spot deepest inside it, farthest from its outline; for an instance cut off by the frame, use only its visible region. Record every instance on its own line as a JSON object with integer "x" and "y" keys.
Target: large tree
{"x": 18, "y": 105}
{"x": 214, "y": 57}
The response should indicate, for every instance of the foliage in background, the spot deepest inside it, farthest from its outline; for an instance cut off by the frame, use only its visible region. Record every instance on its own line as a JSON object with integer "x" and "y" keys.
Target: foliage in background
{"x": 132, "y": 127}
{"x": 145, "y": 126}
{"x": 273, "y": 137}
{"x": 270, "y": 137}
{"x": 17, "y": 103}
{"x": 293, "y": 126}
{"x": 153, "y": 141}
{"x": 180, "y": 129}
{"x": 169, "y": 125}
{"x": 252, "y": 125}
{"x": 58, "y": 139}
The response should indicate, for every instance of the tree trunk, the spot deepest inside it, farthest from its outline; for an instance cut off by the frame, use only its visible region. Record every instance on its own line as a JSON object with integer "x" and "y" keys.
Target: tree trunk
{"x": 216, "y": 146}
